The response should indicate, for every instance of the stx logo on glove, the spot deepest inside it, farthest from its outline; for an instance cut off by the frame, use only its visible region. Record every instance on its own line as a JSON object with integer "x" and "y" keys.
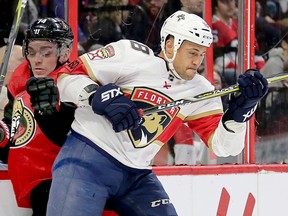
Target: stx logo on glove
{"x": 121, "y": 111}
{"x": 248, "y": 115}
{"x": 110, "y": 94}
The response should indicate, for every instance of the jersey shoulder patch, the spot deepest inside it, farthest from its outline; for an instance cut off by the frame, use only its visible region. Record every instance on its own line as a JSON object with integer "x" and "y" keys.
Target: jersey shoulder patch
{"x": 102, "y": 53}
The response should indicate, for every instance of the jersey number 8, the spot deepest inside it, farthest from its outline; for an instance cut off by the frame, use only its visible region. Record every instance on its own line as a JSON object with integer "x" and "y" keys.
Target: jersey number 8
{"x": 139, "y": 47}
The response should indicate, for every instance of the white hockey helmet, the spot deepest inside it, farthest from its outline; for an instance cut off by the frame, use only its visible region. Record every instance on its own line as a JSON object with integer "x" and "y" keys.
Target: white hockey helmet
{"x": 185, "y": 26}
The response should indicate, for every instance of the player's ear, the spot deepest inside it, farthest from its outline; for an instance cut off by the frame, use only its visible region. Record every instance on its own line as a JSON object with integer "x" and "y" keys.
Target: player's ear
{"x": 169, "y": 46}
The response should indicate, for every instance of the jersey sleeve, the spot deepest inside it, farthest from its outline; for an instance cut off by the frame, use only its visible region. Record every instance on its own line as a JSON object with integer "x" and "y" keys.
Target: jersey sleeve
{"x": 204, "y": 127}
{"x": 228, "y": 139}
{"x": 76, "y": 89}
{"x": 223, "y": 140}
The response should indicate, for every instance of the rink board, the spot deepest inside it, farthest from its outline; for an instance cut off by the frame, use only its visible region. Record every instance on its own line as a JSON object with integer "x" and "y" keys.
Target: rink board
{"x": 231, "y": 190}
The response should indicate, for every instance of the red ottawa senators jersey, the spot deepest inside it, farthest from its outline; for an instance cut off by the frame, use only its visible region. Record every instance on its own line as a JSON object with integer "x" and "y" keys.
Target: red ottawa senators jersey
{"x": 32, "y": 154}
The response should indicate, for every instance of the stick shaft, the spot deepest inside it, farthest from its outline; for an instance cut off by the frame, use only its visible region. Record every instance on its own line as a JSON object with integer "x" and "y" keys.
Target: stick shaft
{"x": 11, "y": 40}
{"x": 204, "y": 96}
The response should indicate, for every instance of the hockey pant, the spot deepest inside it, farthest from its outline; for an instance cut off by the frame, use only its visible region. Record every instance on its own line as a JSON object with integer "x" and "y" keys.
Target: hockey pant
{"x": 84, "y": 181}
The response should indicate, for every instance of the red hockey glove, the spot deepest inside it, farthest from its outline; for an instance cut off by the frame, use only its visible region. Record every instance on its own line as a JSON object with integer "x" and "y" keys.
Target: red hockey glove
{"x": 4, "y": 134}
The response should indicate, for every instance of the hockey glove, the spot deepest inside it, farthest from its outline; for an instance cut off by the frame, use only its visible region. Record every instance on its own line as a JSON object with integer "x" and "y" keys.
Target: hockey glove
{"x": 44, "y": 95}
{"x": 4, "y": 134}
{"x": 252, "y": 88}
{"x": 109, "y": 101}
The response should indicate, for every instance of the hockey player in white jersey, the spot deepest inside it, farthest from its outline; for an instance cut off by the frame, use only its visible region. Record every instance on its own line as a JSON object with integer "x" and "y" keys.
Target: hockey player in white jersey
{"x": 106, "y": 159}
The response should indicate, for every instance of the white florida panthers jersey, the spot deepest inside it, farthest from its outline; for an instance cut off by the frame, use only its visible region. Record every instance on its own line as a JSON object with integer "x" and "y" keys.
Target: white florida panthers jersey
{"x": 146, "y": 79}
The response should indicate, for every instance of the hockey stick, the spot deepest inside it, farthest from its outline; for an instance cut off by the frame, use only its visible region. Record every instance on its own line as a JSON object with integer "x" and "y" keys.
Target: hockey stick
{"x": 11, "y": 40}
{"x": 203, "y": 96}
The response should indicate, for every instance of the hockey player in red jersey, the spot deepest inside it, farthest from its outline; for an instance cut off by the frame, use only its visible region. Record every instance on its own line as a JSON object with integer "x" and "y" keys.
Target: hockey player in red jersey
{"x": 106, "y": 160}
{"x": 35, "y": 124}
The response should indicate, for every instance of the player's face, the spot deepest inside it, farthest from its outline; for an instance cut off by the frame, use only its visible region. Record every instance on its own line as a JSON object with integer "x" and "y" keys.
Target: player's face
{"x": 188, "y": 58}
{"x": 43, "y": 57}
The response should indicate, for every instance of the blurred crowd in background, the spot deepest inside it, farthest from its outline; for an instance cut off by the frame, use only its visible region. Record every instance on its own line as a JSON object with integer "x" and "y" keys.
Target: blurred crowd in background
{"x": 104, "y": 21}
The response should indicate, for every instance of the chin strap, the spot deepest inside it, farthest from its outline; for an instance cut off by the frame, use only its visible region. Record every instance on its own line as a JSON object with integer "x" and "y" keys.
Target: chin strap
{"x": 173, "y": 71}
{"x": 170, "y": 63}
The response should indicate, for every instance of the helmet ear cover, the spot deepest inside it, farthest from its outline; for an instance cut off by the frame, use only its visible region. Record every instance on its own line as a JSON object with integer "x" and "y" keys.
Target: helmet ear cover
{"x": 49, "y": 29}
{"x": 184, "y": 26}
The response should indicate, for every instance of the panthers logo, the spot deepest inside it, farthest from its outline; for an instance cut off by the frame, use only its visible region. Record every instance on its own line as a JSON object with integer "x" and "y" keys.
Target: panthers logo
{"x": 153, "y": 125}
{"x": 23, "y": 124}
{"x": 101, "y": 53}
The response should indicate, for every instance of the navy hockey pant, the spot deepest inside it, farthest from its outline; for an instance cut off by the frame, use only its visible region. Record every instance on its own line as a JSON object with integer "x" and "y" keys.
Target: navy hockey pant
{"x": 85, "y": 181}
